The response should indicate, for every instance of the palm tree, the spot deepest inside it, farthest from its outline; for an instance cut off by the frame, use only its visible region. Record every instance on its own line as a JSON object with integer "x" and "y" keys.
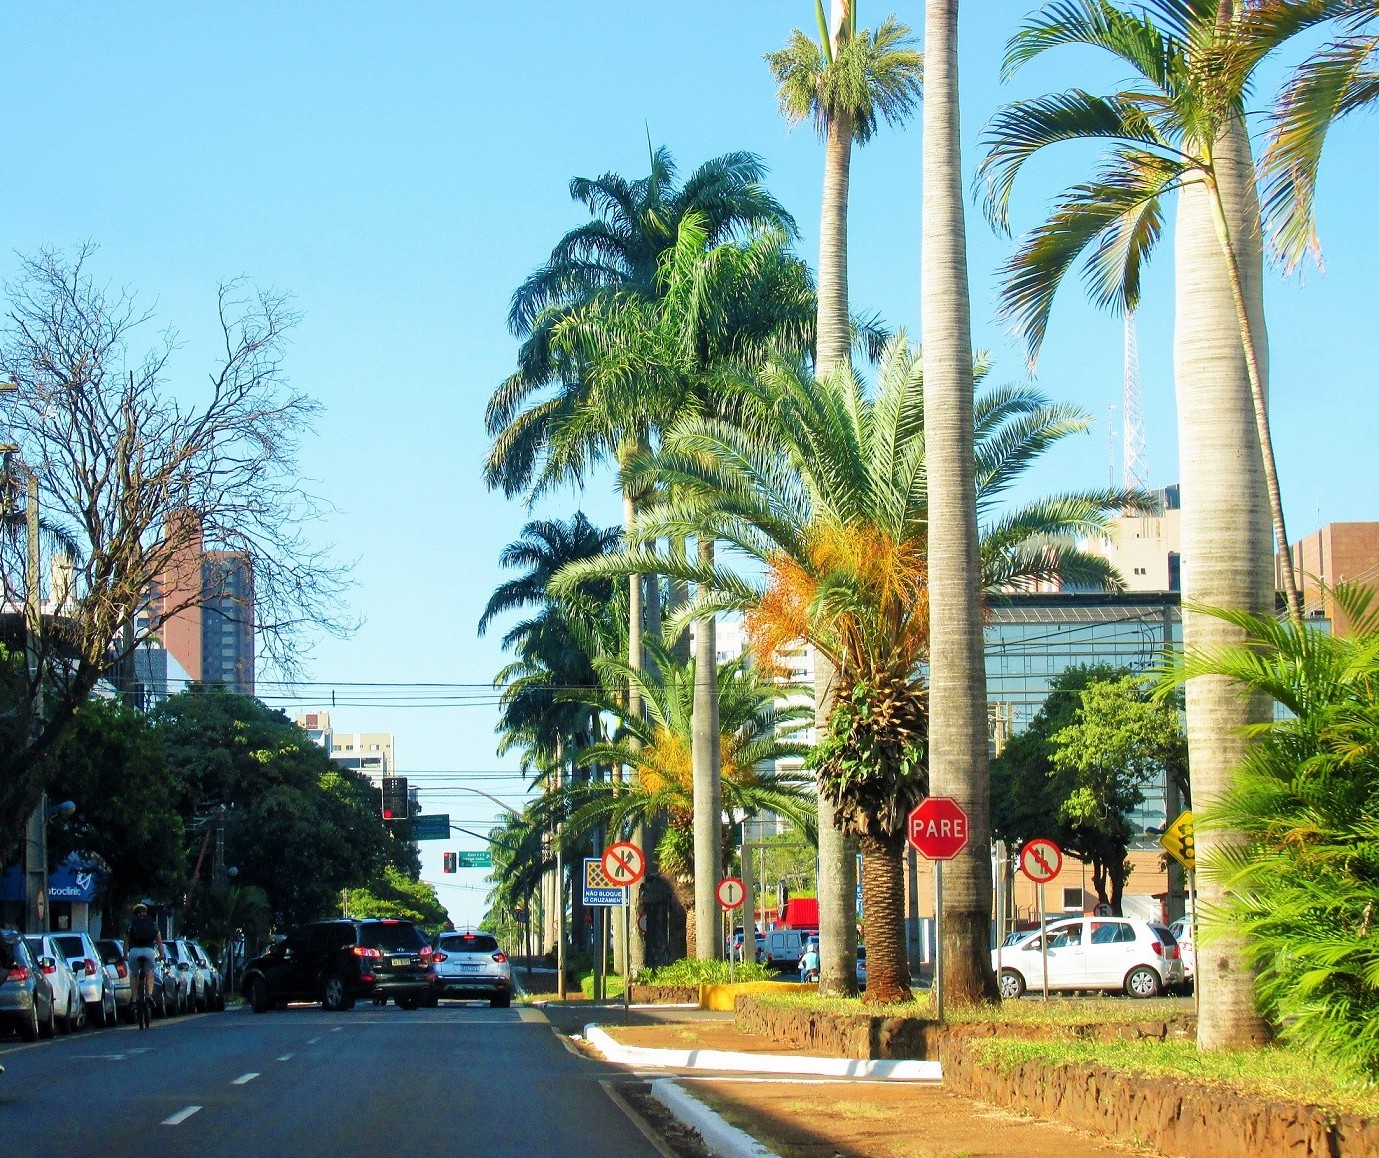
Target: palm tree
{"x": 754, "y": 734}
{"x": 958, "y": 723}
{"x": 828, "y": 503}
{"x": 846, "y": 83}
{"x": 1336, "y": 80}
{"x": 720, "y": 309}
{"x": 1182, "y": 130}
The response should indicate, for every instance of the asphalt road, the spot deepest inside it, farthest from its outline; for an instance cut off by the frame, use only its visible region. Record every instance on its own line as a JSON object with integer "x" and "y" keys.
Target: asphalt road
{"x": 464, "y": 1077}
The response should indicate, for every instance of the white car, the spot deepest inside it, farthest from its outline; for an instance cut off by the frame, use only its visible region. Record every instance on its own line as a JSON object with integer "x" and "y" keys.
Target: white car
{"x": 470, "y": 965}
{"x": 84, "y": 959}
{"x": 1182, "y": 930}
{"x": 69, "y": 1011}
{"x": 1094, "y": 953}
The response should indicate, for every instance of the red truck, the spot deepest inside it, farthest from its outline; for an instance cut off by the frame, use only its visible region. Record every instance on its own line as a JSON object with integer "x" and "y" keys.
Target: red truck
{"x": 802, "y": 913}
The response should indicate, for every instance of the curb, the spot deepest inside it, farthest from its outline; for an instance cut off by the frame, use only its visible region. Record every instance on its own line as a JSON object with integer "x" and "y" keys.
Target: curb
{"x": 720, "y": 1137}
{"x": 761, "y": 1063}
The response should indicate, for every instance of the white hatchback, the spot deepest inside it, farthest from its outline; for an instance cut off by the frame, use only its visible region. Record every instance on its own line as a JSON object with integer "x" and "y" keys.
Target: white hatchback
{"x": 1094, "y": 953}
{"x": 470, "y": 965}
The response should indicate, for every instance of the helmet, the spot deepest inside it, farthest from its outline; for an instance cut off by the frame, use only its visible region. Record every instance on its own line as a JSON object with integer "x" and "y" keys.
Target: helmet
{"x": 140, "y": 908}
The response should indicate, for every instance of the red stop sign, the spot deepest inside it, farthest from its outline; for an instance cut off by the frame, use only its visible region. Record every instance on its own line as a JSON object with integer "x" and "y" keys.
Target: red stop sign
{"x": 938, "y": 828}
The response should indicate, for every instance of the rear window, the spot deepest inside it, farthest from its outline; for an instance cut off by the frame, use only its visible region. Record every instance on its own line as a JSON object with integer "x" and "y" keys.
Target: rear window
{"x": 402, "y": 937}
{"x": 35, "y": 946}
{"x": 110, "y": 952}
{"x": 11, "y": 953}
{"x": 474, "y": 943}
{"x": 71, "y": 947}
{"x": 1165, "y": 936}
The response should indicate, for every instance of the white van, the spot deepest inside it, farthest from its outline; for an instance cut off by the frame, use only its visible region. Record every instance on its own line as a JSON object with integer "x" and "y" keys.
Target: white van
{"x": 785, "y": 947}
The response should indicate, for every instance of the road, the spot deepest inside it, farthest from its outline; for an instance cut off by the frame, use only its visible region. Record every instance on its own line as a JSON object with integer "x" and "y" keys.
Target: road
{"x": 485, "y": 1081}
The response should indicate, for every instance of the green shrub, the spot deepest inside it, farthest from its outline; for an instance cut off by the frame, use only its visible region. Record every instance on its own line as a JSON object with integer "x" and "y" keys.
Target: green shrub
{"x": 689, "y": 971}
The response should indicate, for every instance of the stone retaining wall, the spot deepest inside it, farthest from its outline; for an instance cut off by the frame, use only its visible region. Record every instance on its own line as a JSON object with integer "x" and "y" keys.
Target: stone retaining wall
{"x": 1175, "y": 1117}
{"x": 663, "y": 994}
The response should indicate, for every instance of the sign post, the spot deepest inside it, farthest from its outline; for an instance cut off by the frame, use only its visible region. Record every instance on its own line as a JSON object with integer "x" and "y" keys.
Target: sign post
{"x": 1041, "y": 860}
{"x": 732, "y": 895}
{"x": 937, "y": 828}
{"x": 624, "y": 863}
{"x": 1180, "y": 842}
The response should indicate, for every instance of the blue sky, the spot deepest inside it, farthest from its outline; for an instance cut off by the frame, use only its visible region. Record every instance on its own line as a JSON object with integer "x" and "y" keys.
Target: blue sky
{"x": 399, "y": 169}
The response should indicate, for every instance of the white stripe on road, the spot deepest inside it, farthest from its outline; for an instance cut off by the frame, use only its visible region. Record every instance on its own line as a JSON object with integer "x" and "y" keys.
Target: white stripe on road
{"x": 337, "y": 1029}
{"x": 285, "y": 1057}
{"x": 181, "y": 1116}
{"x": 313, "y": 1040}
{"x": 244, "y": 1079}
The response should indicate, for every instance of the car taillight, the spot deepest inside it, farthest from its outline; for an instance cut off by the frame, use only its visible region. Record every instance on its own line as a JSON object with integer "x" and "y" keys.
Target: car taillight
{"x": 90, "y": 966}
{"x": 18, "y": 973}
{"x": 1159, "y": 948}
{"x": 426, "y": 951}
{"x": 49, "y": 969}
{"x": 121, "y": 970}
{"x": 500, "y": 957}
{"x": 364, "y": 951}
{"x": 437, "y": 957}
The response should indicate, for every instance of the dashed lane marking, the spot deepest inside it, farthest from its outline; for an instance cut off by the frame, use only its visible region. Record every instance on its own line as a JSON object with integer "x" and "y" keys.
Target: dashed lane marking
{"x": 244, "y": 1079}
{"x": 181, "y": 1116}
{"x": 285, "y": 1057}
{"x": 337, "y": 1029}
{"x": 313, "y": 1040}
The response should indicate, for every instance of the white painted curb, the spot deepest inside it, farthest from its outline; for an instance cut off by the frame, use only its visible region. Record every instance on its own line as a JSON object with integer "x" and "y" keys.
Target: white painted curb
{"x": 721, "y": 1138}
{"x": 761, "y": 1063}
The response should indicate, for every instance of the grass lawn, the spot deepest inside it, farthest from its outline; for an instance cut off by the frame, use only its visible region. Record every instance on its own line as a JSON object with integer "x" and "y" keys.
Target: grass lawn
{"x": 1026, "y": 1011}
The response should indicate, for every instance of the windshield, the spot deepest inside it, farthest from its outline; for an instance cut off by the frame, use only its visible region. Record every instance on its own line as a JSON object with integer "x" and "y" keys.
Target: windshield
{"x": 71, "y": 946}
{"x": 468, "y": 943}
{"x": 392, "y": 937}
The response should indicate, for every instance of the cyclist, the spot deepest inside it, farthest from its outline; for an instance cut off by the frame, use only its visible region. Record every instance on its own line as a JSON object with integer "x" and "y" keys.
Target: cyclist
{"x": 145, "y": 944}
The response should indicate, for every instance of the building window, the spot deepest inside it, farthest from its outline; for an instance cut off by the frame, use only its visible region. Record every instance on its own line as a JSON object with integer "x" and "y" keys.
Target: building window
{"x": 1073, "y": 900}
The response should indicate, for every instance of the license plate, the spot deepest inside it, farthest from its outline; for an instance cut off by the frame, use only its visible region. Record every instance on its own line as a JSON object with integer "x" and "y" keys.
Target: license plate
{"x": 469, "y": 969}
{"x": 401, "y": 961}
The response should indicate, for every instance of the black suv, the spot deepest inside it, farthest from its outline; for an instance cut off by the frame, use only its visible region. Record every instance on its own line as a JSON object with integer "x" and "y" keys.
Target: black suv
{"x": 337, "y": 962}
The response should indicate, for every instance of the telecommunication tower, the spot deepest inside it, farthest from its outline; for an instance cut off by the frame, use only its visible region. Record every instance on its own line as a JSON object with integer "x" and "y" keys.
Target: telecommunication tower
{"x": 1135, "y": 471}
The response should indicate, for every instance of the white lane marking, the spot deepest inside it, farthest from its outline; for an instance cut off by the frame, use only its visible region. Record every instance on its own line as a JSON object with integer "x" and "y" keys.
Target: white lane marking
{"x": 285, "y": 1057}
{"x": 181, "y": 1116}
{"x": 244, "y": 1079}
{"x": 337, "y": 1029}
{"x": 313, "y": 1040}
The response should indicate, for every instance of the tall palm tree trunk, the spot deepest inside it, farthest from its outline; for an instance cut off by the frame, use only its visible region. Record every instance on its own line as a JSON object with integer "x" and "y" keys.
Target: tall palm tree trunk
{"x": 635, "y": 613}
{"x": 1226, "y": 540}
{"x": 837, "y": 884}
{"x": 883, "y": 918}
{"x": 705, "y": 762}
{"x": 959, "y": 761}
{"x": 837, "y": 865}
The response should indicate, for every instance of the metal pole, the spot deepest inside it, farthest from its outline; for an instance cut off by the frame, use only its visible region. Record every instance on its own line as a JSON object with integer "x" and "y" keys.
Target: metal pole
{"x": 627, "y": 960}
{"x": 560, "y": 882}
{"x": 938, "y": 940}
{"x": 1000, "y": 907}
{"x": 1044, "y": 940}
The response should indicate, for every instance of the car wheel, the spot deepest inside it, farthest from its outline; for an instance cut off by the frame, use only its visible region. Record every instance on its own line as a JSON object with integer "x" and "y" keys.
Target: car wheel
{"x": 64, "y": 1025}
{"x": 95, "y": 1013}
{"x": 47, "y": 1028}
{"x": 407, "y": 1003}
{"x": 1142, "y": 982}
{"x": 28, "y": 1028}
{"x": 259, "y": 1000}
{"x": 1012, "y": 984}
{"x": 503, "y": 1002}
{"x": 78, "y": 1019}
{"x": 333, "y": 997}
{"x": 380, "y": 1001}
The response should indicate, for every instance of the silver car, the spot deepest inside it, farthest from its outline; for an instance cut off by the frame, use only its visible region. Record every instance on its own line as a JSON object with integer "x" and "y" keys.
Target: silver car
{"x": 117, "y": 970}
{"x": 84, "y": 959}
{"x": 213, "y": 992}
{"x": 69, "y": 1011}
{"x": 179, "y": 977}
{"x": 470, "y": 965}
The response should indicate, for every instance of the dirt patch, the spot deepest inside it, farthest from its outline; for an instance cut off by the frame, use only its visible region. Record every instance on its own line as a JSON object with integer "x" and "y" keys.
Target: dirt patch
{"x": 887, "y": 1120}
{"x": 701, "y": 1035}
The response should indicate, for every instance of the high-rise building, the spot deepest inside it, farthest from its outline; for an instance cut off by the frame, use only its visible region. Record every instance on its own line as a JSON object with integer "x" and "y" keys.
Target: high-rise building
{"x": 1337, "y": 553}
{"x": 1146, "y": 549}
{"x": 368, "y": 752}
{"x": 203, "y": 603}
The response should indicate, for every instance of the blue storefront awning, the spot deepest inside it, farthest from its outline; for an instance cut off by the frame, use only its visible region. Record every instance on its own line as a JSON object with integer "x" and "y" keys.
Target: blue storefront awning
{"x": 71, "y": 881}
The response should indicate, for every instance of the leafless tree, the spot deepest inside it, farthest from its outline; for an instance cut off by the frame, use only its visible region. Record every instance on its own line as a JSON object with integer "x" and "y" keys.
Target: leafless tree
{"x": 130, "y": 475}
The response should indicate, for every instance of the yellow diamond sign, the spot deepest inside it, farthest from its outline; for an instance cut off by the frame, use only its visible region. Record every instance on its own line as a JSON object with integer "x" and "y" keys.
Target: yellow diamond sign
{"x": 1178, "y": 840}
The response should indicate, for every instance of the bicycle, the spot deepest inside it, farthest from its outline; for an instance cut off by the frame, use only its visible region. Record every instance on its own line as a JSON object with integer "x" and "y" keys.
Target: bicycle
{"x": 143, "y": 1000}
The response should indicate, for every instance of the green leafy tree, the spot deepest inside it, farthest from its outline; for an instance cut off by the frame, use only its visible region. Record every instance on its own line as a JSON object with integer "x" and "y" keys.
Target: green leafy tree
{"x": 296, "y": 824}
{"x": 1120, "y": 740}
{"x": 1303, "y": 884}
{"x": 110, "y": 762}
{"x": 394, "y": 894}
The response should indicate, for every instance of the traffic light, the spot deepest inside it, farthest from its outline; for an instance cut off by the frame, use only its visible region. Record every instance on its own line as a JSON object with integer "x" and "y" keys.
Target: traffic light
{"x": 449, "y": 862}
{"x": 396, "y": 803}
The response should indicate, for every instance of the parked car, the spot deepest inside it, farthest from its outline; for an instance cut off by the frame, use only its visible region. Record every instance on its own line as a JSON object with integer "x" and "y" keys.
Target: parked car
{"x": 785, "y": 947}
{"x": 26, "y": 997}
{"x": 213, "y": 992}
{"x": 735, "y": 947}
{"x": 181, "y": 971}
{"x": 1182, "y": 930}
{"x": 69, "y": 1010}
{"x": 861, "y": 966}
{"x": 1095, "y": 953}
{"x": 469, "y": 965}
{"x": 84, "y": 959}
{"x": 338, "y": 962}
{"x": 116, "y": 964}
